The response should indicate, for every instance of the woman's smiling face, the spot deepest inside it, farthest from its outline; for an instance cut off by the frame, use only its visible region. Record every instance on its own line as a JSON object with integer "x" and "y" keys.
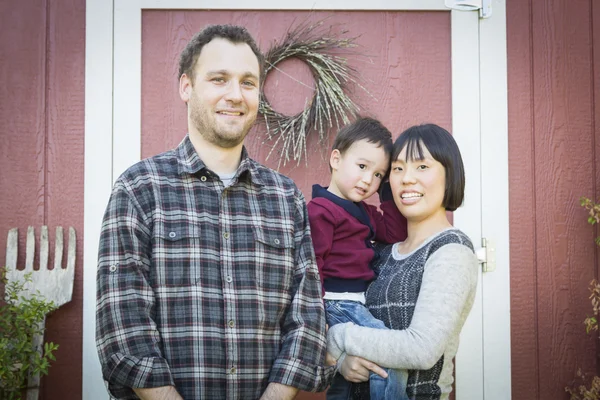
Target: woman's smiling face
{"x": 418, "y": 185}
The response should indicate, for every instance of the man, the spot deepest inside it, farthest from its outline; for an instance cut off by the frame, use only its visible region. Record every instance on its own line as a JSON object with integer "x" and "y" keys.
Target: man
{"x": 207, "y": 283}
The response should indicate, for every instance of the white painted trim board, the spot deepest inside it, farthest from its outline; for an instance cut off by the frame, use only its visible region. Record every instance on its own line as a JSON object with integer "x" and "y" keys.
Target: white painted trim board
{"x": 495, "y": 207}
{"x": 98, "y": 173}
{"x": 465, "y": 129}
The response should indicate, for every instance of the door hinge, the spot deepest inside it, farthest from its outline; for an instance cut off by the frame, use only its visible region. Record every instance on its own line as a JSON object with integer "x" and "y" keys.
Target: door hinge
{"x": 487, "y": 255}
{"x": 484, "y": 6}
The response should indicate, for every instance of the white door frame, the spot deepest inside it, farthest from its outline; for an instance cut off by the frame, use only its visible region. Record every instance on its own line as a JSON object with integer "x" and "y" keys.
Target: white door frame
{"x": 479, "y": 119}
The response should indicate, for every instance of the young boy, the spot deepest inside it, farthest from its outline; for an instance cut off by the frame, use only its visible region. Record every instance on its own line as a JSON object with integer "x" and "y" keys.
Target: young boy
{"x": 343, "y": 227}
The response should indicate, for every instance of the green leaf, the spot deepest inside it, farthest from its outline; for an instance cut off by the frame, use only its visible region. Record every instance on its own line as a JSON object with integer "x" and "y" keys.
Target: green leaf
{"x": 19, "y": 322}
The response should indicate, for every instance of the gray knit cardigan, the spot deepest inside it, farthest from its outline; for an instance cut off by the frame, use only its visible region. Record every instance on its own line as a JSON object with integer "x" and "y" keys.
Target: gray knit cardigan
{"x": 425, "y": 297}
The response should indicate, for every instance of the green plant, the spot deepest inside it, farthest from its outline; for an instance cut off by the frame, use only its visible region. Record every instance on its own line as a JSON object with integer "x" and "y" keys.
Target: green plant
{"x": 21, "y": 319}
{"x": 589, "y": 387}
{"x": 594, "y": 213}
{"x": 582, "y": 391}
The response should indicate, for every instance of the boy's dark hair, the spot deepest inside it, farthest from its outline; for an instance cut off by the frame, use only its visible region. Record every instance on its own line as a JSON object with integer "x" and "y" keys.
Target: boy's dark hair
{"x": 363, "y": 128}
{"x": 233, "y": 33}
{"x": 443, "y": 148}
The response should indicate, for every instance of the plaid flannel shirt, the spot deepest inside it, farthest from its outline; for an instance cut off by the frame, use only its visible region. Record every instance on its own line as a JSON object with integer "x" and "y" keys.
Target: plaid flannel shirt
{"x": 214, "y": 290}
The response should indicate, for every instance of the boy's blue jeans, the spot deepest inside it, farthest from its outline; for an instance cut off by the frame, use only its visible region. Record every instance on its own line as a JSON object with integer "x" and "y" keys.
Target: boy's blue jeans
{"x": 392, "y": 388}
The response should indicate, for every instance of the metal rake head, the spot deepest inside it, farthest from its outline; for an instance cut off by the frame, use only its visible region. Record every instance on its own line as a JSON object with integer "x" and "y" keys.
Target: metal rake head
{"x": 54, "y": 285}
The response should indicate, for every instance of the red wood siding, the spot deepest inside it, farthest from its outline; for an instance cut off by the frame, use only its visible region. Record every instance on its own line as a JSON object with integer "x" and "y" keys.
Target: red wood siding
{"x": 42, "y": 48}
{"x": 553, "y": 153}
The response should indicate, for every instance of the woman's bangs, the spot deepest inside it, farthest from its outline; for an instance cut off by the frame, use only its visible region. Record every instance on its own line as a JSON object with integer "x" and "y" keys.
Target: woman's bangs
{"x": 414, "y": 149}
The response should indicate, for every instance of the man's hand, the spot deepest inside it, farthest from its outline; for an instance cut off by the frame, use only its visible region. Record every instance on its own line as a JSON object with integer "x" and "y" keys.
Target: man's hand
{"x": 159, "y": 393}
{"x": 356, "y": 369}
{"x": 277, "y": 391}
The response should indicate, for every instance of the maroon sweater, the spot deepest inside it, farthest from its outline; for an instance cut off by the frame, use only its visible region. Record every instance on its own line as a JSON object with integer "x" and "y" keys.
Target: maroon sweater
{"x": 340, "y": 241}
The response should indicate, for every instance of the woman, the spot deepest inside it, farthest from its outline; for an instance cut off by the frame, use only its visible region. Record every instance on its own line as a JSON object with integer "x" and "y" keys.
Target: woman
{"x": 426, "y": 284}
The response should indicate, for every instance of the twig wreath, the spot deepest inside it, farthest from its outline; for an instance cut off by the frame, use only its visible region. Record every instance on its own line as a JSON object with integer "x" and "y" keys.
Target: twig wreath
{"x": 317, "y": 47}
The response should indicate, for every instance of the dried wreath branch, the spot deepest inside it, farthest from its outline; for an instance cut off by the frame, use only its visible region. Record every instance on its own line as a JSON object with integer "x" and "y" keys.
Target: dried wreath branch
{"x": 330, "y": 106}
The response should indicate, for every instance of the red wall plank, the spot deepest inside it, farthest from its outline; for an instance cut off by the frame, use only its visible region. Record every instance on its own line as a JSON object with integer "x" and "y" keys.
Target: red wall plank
{"x": 564, "y": 154}
{"x": 22, "y": 112}
{"x": 595, "y": 11}
{"x": 524, "y": 329}
{"x": 553, "y": 146}
{"x": 563, "y": 104}
{"x": 64, "y": 182}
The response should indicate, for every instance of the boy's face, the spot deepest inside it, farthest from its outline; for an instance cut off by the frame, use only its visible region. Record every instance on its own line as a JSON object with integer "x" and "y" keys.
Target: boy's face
{"x": 357, "y": 173}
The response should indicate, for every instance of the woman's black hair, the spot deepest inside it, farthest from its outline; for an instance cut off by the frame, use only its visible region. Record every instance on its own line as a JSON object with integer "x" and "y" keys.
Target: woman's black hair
{"x": 443, "y": 148}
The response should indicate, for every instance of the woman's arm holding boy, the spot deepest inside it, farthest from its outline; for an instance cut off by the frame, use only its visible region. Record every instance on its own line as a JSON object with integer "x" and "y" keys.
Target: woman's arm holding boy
{"x": 438, "y": 315}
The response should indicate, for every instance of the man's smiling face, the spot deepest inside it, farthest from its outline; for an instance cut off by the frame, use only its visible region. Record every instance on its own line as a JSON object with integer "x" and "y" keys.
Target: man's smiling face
{"x": 223, "y": 97}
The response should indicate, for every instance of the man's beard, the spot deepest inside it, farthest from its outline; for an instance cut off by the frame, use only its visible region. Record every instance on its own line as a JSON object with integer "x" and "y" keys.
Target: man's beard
{"x": 212, "y": 133}
{"x": 219, "y": 137}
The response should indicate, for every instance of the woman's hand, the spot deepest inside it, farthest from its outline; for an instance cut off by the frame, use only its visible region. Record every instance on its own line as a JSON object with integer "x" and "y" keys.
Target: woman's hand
{"x": 356, "y": 369}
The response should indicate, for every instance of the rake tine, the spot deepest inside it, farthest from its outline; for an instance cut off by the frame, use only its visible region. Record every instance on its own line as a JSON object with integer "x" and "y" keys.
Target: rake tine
{"x": 58, "y": 247}
{"x": 71, "y": 262}
{"x": 30, "y": 252}
{"x": 71, "y": 250}
{"x": 44, "y": 248}
{"x": 12, "y": 245}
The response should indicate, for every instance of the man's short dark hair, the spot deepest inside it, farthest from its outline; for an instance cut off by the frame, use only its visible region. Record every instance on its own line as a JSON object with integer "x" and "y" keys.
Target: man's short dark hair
{"x": 363, "y": 128}
{"x": 443, "y": 148}
{"x": 233, "y": 33}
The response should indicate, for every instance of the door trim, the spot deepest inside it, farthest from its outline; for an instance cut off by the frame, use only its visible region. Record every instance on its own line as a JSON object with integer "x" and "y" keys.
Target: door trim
{"x": 466, "y": 132}
{"x": 494, "y": 192}
{"x": 479, "y": 115}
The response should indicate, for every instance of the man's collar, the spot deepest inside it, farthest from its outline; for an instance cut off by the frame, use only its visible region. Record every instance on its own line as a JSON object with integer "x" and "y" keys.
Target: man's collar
{"x": 189, "y": 162}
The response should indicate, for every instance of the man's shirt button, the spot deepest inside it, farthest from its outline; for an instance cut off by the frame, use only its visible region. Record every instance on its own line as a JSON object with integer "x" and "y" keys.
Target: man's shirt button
{"x": 172, "y": 235}
{"x": 226, "y": 235}
{"x": 203, "y": 178}
{"x": 228, "y": 279}
{"x": 231, "y": 324}
{"x": 112, "y": 268}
